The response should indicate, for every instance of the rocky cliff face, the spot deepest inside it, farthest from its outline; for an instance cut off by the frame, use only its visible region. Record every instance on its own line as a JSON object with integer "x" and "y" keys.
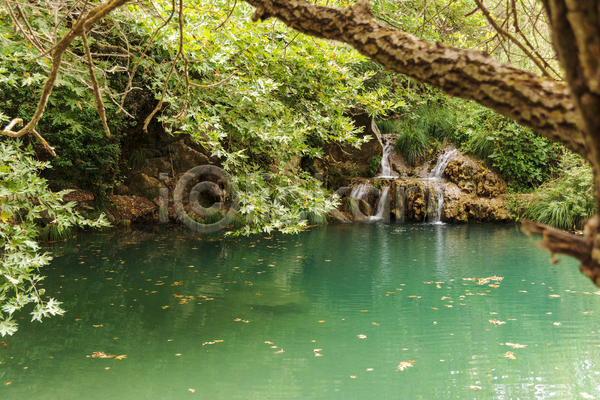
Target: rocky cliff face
{"x": 470, "y": 192}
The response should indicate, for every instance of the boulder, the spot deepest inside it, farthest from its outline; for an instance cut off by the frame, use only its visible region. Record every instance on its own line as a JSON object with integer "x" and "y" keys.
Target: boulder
{"x": 145, "y": 186}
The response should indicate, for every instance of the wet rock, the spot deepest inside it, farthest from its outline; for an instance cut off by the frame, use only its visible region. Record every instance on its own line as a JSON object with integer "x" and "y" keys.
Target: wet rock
{"x": 130, "y": 208}
{"x": 473, "y": 177}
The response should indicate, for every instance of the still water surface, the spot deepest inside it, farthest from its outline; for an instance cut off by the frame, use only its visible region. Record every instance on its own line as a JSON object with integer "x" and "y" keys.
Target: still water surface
{"x": 327, "y": 314}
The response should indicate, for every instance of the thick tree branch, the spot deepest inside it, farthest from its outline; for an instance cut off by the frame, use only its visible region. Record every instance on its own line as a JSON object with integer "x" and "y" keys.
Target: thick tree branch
{"x": 537, "y": 102}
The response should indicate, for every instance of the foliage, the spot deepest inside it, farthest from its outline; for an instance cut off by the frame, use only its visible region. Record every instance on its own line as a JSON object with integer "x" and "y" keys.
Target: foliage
{"x": 523, "y": 158}
{"x": 412, "y": 142}
{"x": 24, "y": 199}
{"x": 374, "y": 165}
{"x": 565, "y": 202}
{"x": 386, "y": 126}
{"x": 70, "y": 123}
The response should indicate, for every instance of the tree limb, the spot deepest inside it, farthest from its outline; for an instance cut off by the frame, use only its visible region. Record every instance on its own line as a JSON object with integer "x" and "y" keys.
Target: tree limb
{"x": 97, "y": 95}
{"x": 536, "y": 102}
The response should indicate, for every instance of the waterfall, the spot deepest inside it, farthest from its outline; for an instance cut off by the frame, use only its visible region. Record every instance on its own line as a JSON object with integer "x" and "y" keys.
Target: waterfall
{"x": 383, "y": 204}
{"x": 438, "y": 217}
{"x": 386, "y": 167}
{"x": 359, "y": 191}
{"x": 442, "y": 163}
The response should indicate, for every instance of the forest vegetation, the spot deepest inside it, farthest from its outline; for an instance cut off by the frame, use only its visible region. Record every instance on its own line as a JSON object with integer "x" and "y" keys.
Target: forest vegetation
{"x": 88, "y": 80}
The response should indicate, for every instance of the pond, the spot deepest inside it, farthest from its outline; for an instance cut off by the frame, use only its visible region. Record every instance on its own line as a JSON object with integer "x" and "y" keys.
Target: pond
{"x": 339, "y": 312}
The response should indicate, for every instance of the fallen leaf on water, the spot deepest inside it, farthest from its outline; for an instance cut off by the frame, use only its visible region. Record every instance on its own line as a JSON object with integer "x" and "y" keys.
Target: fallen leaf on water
{"x": 588, "y": 312}
{"x": 557, "y": 323}
{"x": 8, "y": 383}
{"x": 192, "y": 390}
{"x": 321, "y": 322}
{"x": 553, "y": 296}
{"x": 362, "y": 336}
{"x": 164, "y": 307}
{"x": 434, "y": 308}
{"x": 374, "y": 323}
{"x": 3, "y": 344}
{"x": 496, "y": 322}
{"x": 369, "y": 369}
{"x": 364, "y": 310}
{"x": 107, "y": 368}
{"x": 475, "y": 388}
{"x": 353, "y": 376}
{"x": 403, "y": 365}
{"x": 510, "y": 354}
{"x": 120, "y": 357}
{"x": 267, "y": 342}
{"x": 101, "y": 354}
{"x": 516, "y": 345}
{"x": 280, "y": 351}
{"x": 98, "y": 326}
{"x": 522, "y": 291}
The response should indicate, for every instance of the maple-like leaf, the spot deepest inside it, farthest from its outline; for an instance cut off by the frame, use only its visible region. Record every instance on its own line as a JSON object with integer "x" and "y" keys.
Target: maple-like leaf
{"x": 403, "y": 365}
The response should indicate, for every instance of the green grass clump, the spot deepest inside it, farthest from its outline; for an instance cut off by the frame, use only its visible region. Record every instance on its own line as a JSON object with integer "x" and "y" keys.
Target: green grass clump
{"x": 387, "y": 126}
{"x": 567, "y": 201}
{"x": 412, "y": 144}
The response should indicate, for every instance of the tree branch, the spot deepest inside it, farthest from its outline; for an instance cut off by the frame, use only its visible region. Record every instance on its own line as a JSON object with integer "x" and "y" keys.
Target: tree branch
{"x": 536, "y": 102}
{"x": 97, "y": 95}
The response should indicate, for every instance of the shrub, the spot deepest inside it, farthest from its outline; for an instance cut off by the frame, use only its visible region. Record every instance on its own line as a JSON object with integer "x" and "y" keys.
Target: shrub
{"x": 568, "y": 200}
{"x": 412, "y": 143}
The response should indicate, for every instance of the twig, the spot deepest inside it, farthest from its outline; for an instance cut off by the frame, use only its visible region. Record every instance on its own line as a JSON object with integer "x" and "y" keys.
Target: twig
{"x": 166, "y": 85}
{"x": 229, "y": 15}
{"x": 214, "y": 84}
{"x": 499, "y": 29}
{"x": 97, "y": 95}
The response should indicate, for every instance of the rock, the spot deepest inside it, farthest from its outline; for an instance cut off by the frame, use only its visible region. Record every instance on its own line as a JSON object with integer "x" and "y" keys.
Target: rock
{"x": 130, "y": 208}
{"x": 347, "y": 161}
{"x": 185, "y": 158}
{"x": 338, "y": 216}
{"x": 472, "y": 176}
{"x": 416, "y": 206}
{"x": 145, "y": 186}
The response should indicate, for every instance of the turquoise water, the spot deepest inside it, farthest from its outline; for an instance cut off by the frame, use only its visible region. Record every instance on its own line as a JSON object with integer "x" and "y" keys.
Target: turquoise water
{"x": 327, "y": 314}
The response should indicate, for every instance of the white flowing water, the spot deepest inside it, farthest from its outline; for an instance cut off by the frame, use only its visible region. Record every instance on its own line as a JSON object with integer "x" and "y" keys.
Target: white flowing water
{"x": 386, "y": 167}
{"x": 359, "y": 191}
{"x": 440, "y": 194}
{"x": 436, "y": 174}
{"x": 383, "y": 200}
{"x": 442, "y": 163}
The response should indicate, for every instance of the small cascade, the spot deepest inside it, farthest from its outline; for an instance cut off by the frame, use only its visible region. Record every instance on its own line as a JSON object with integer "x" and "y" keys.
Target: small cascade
{"x": 442, "y": 163}
{"x": 386, "y": 166}
{"x": 359, "y": 191}
{"x": 383, "y": 205}
{"x": 440, "y": 194}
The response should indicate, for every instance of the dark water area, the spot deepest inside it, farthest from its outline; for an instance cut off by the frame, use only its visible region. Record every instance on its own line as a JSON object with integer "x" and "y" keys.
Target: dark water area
{"x": 340, "y": 312}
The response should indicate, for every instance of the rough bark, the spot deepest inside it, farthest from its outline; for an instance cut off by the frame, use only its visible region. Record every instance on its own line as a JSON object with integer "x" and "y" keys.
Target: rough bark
{"x": 537, "y": 102}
